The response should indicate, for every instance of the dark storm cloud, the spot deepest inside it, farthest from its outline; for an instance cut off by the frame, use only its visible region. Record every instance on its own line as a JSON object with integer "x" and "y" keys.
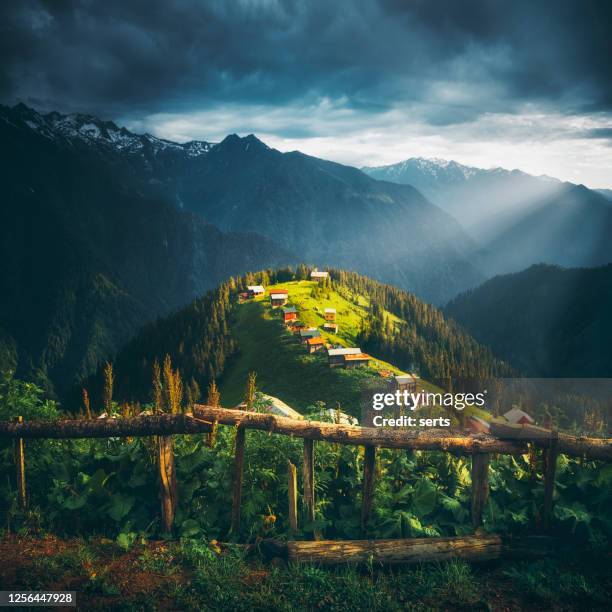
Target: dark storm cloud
{"x": 464, "y": 58}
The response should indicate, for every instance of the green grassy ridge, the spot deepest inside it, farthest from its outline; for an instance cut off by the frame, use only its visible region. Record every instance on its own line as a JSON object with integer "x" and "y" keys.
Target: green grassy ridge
{"x": 283, "y": 367}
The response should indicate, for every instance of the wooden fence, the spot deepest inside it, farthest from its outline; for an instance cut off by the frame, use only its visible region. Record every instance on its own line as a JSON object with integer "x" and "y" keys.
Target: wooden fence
{"x": 508, "y": 439}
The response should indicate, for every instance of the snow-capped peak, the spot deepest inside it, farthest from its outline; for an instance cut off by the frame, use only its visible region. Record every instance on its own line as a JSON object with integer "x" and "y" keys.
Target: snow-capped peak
{"x": 92, "y": 130}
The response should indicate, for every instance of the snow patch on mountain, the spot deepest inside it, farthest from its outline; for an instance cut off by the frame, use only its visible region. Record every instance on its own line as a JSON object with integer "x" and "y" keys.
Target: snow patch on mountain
{"x": 93, "y": 131}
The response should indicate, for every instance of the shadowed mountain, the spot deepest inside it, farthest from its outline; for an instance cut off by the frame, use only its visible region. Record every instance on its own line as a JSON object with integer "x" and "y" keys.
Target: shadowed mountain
{"x": 572, "y": 228}
{"x": 88, "y": 253}
{"x": 332, "y": 215}
{"x": 545, "y": 321}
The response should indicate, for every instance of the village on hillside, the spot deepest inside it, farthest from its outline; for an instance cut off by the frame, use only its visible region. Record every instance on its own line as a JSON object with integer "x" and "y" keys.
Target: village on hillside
{"x": 345, "y": 357}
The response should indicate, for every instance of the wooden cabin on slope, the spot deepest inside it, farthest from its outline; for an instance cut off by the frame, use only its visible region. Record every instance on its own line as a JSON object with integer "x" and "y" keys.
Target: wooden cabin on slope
{"x": 315, "y": 344}
{"x": 405, "y": 382}
{"x": 289, "y": 314}
{"x": 356, "y": 361}
{"x": 330, "y": 314}
{"x": 255, "y": 290}
{"x": 319, "y": 276}
{"x": 516, "y": 416}
{"x": 336, "y": 356}
{"x": 278, "y": 297}
{"x": 332, "y": 328}
{"x": 310, "y": 332}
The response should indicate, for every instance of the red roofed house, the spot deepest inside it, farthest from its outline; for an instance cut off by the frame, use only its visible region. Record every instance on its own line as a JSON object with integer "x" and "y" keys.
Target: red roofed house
{"x": 289, "y": 314}
{"x": 315, "y": 344}
{"x": 278, "y": 297}
{"x": 516, "y": 416}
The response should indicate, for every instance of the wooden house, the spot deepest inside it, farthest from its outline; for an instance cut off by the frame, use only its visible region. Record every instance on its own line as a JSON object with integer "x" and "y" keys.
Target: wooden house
{"x": 255, "y": 290}
{"x": 289, "y": 314}
{"x": 318, "y": 275}
{"x": 330, "y": 314}
{"x": 296, "y": 327}
{"x": 243, "y": 297}
{"x": 311, "y": 332}
{"x": 278, "y": 298}
{"x": 405, "y": 382}
{"x": 331, "y": 327}
{"x": 356, "y": 361}
{"x": 315, "y": 344}
{"x": 516, "y": 416}
{"x": 336, "y": 356}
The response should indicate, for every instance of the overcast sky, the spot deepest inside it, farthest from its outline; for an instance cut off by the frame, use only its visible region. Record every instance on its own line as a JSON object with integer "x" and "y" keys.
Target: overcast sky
{"x": 524, "y": 84}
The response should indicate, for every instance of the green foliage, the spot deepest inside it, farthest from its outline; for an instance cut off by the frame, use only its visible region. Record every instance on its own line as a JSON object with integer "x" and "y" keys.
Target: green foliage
{"x": 110, "y": 487}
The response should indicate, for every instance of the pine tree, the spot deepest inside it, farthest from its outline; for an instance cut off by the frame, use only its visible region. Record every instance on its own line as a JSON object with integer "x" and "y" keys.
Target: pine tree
{"x": 214, "y": 397}
{"x": 109, "y": 381}
{"x": 193, "y": 393}
{"x": 157, "y": 387}
{"x": 173, "y": 387}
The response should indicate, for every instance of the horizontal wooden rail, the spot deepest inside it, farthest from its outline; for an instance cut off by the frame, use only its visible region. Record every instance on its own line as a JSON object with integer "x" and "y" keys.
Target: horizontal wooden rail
{"x": 578, "y": 446}
{"x": 507, "y": 439}
{"x": 361, "y": 436}
{"x": 153, "y": 425}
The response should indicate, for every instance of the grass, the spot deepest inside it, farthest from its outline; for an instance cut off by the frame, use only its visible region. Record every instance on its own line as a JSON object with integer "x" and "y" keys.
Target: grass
{"x": 190, "y": 575}
{"x": 283, "y": 367}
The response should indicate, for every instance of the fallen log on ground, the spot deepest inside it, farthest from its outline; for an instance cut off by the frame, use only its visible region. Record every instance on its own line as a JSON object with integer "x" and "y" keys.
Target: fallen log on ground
{"x": 153, "y": 425}
{"x": 476, "y": 548}
{"x": 362, "y": 436}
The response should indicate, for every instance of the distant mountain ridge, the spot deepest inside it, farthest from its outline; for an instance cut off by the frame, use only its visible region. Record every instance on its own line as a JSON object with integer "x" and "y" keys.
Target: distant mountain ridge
{"x": 545, "y": 321}
{"x": 516, "y": 219}
{"x": 327, "y": 213}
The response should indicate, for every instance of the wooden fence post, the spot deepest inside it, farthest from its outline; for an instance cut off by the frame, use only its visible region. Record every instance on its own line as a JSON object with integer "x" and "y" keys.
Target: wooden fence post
{"x": 20, "y": 467}
{"x": 238, "y": 473}
{"x": 309, "y": 490}
{"x": 293, "y": 494}
{"x": 369, "y": 468}
{"x": 550, "y": 470}
{"x": 167, "y": 473}
{"x": 480, "y": 486}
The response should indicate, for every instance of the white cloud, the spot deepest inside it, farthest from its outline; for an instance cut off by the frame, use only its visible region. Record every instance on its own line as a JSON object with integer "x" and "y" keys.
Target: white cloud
{"x": 535, "y": 140}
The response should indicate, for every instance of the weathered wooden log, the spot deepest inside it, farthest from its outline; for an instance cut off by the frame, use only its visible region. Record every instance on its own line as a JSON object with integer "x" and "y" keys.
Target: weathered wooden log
{"x": 577, "y": 446}
{"x": 550, "y": 472}
{"x": 238, "y": 475}
{"x": 480, "y": 486}
{"x": 292, "y": 494}
{"x": 362, "y": 436}
{"x": 369, "y": 469}
{"x": 20, "y": 468}
{"x": 158, "y": 424}
{"x": 167, "y": 476}
{"x": 417, "y": 550}
{"x": 308, "y": 480}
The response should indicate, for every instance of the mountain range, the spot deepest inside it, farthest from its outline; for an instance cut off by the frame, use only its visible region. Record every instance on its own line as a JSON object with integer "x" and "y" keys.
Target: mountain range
{"x": 89, "y": 253}
{"x": 515, "y": 219}
{"x": 103, "y": 230}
